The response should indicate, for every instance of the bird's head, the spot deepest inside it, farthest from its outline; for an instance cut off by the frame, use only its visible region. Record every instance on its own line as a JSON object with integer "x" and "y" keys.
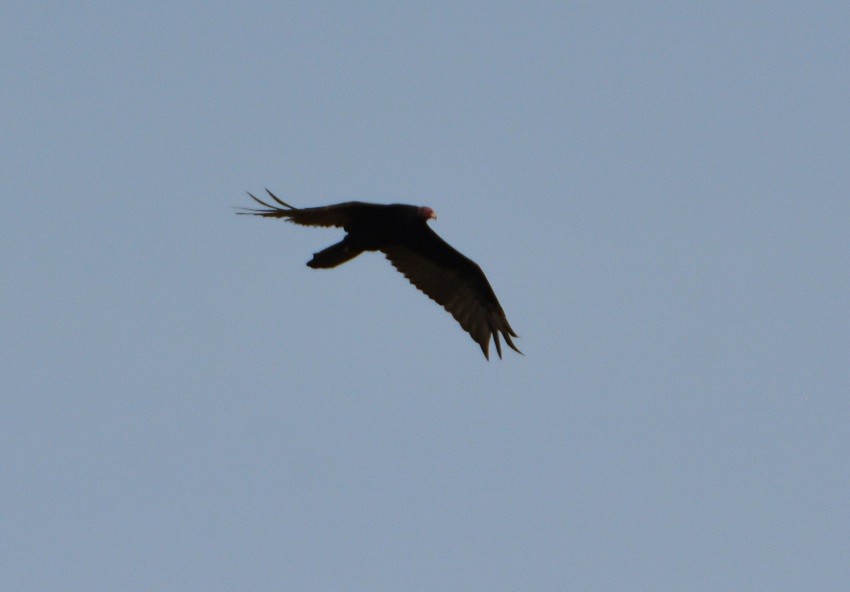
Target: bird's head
{"x": 427, "y": 213}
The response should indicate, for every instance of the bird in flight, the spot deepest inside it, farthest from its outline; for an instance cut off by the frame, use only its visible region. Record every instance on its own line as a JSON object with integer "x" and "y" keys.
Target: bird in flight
{"x": 402, "y": 234}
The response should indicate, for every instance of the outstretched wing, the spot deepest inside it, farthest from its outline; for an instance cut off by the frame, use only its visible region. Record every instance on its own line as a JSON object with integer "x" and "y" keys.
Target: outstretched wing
{"x": 454, "y": 282}
{"x": 339, "y": 215}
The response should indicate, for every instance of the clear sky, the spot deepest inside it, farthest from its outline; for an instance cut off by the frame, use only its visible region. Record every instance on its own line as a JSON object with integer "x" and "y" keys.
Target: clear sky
{"x": 658, "y": 193}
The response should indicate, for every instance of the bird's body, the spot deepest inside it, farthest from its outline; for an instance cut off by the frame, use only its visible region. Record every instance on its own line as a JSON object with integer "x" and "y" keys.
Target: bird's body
{"x": 402, "y": 233}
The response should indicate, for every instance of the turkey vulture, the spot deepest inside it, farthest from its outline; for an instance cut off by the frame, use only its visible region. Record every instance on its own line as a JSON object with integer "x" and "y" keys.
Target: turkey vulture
{"x": 402, "y": 234}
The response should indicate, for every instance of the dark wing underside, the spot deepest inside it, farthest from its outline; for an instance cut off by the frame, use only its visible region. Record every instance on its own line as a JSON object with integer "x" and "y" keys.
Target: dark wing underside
{"x": 457, "y": 284}
{"x": 339, "y": 215}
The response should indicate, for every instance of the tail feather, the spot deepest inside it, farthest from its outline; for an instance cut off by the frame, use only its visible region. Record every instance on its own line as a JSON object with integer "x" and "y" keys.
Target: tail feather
{"x": 334, "y": 255}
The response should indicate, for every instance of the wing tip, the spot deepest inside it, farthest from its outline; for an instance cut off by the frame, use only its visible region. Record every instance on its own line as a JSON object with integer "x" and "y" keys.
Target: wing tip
{"x": 506, "y": 334}
{"x": 270, "y": 211}
{"x": 278, "y": 200}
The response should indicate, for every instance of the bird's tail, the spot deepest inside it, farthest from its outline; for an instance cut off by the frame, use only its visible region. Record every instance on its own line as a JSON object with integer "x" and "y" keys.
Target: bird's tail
{"x": 334, "y": 255}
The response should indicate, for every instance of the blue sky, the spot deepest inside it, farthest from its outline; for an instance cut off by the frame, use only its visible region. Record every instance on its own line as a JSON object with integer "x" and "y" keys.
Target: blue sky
{"x": 658, "y": 194}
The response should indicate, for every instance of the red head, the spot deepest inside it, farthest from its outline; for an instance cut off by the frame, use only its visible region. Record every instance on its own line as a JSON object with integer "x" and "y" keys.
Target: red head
{"x": 427, "y": 213}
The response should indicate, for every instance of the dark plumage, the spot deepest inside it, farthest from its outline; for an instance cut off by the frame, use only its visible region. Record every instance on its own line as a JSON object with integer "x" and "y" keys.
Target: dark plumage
{"x": 402, "y": 233}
